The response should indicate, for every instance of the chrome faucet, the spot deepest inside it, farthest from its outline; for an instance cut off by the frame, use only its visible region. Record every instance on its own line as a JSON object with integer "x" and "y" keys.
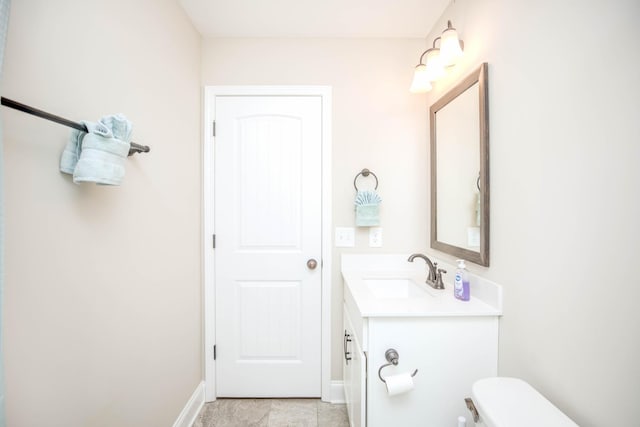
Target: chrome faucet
{"x": 434, "y": 278}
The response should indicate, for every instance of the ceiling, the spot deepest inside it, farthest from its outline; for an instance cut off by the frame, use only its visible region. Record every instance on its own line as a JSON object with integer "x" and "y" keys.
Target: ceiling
{"x": 314, "y": 18}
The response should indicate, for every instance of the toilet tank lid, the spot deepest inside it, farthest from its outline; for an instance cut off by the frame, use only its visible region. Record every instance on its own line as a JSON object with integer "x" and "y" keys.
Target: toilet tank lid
{"x": 513, "y": 402}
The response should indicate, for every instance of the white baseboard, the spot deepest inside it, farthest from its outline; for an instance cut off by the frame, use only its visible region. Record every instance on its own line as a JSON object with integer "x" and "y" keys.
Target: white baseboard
{"x": 191, "y": 410}
{"x": 337, "y": 392}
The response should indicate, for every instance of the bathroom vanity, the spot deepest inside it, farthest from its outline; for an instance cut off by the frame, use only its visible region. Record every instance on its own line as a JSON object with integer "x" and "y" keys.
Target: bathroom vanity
{"x": 451, "y": 343}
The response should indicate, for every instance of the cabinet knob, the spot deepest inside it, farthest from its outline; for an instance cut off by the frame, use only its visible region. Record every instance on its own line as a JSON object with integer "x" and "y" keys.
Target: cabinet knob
{"x": 312, "y": 264}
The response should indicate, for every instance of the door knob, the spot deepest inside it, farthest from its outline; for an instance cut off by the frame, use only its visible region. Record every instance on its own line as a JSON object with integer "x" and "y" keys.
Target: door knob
{"x": 312, "y": 264}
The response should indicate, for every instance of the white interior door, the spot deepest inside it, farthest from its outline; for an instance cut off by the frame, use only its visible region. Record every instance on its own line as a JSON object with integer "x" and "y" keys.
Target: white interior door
{"x": 268, "y": 220}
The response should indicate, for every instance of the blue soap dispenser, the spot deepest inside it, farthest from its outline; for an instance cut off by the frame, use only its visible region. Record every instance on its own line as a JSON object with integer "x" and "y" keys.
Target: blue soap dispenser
{"x": 461, "y": 283}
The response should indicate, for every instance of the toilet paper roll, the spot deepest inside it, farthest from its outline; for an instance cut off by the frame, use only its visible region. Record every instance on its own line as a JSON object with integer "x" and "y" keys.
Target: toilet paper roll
{"x": 398, "y": 384}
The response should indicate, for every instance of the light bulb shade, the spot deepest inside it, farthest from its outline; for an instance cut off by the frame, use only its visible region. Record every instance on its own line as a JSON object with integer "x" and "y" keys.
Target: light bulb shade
{"x": 435, "y": 69}
{"x": 420, "y": 82}
{"x": 450, "y": 49}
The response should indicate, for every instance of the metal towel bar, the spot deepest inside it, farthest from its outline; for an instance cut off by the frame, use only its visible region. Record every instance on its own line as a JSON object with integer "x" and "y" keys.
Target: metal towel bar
{"x": 135, "y": 148}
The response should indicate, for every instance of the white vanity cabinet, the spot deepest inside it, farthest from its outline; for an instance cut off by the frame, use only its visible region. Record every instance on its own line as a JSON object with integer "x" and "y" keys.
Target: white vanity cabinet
{"x": 452, "y": 344}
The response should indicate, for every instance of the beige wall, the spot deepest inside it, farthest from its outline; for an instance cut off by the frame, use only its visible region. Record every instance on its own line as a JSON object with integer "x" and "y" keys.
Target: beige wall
{"x": 102, "y": 316}
{"x": 377, "y": 124}
{"x": 564, "y": 110}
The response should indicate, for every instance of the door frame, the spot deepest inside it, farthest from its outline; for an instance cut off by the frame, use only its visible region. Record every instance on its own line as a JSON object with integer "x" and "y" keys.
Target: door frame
{"x": 209, "y": 327}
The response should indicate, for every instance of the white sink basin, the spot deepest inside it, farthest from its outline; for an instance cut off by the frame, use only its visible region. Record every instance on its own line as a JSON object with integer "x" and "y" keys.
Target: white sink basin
{"x": 395, "y": 288}
{"x": 386, "y": 285}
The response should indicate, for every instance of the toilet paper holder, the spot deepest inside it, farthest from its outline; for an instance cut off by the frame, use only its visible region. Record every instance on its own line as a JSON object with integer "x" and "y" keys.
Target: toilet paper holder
{"x": 392, "y": 357}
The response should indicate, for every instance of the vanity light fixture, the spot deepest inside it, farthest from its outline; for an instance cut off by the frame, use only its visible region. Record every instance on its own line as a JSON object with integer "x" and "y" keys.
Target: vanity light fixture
{"x": 450, "y": 46}
{"x": 436, "y": 59}
{"x": 433, "y": 58}
{"x": 427, "y": 72}
{"x": 421, "y": 83}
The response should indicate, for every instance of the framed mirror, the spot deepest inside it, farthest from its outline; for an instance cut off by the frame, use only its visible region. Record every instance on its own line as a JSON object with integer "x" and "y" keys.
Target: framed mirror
{"x": 460, "y": 170}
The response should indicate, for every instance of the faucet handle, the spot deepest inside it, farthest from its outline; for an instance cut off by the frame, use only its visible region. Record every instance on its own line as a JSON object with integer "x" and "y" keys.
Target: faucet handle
{"x": 433, "y": 272}
{"x": 439, "y": 283}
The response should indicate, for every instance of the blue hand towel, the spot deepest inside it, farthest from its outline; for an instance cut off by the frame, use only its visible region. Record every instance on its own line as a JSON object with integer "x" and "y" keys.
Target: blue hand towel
{"x": 98, "y": 156}
{"x": 367, "y": 208}
{"x": 71, "y": 153}
{"x": 116, "y": 126}
{"x": 101, "y": 160}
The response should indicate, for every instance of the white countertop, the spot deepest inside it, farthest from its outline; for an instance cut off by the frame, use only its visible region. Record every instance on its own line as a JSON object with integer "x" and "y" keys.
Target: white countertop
{"x": 486, "y": 296}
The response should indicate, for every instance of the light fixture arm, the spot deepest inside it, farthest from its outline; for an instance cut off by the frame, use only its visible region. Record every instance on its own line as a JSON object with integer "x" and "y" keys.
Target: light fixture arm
{"x": 421, "y": 57}
{"x": 433, "y": 46}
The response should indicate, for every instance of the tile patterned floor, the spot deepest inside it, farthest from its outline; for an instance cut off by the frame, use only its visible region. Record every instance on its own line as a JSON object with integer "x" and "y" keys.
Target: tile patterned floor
{"x": 272, "y": 413}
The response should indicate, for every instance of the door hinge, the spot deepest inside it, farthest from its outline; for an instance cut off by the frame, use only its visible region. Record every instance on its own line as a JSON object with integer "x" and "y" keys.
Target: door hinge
{"x": 214, "y": 241}
{"x": 214, "y": 352}
{"x": 214, "y": 128}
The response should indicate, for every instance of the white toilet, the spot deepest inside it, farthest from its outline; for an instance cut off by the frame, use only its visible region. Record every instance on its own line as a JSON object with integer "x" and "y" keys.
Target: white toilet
{"x": 511, "y": 402}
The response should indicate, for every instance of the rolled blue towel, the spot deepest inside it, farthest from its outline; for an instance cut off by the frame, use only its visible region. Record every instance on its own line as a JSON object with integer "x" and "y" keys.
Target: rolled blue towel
{"x": 71, "y": 153}
{"x": 118, "y": 127}
{"x": 98, "y": 156}
{"x": 101, "y": 160}
{"x": 367, "y": 208}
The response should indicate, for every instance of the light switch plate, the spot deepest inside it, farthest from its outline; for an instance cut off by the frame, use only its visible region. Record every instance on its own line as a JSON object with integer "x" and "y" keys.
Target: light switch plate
{"x": 375, "y": 237}
{"x": 345, "y": 237}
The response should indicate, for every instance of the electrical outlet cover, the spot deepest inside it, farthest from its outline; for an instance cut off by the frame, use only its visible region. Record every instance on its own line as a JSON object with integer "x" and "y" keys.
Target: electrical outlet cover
{"x": 375, "y": 237}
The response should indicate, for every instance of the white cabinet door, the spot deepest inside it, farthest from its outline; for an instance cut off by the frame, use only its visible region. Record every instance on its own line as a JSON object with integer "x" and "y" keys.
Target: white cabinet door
{"x": 450, "y": 353}
{"x": 347, "y": 366}
{"x": 354, "y": 371}
{"x": 358, "y": 396}
{"x": 268, "y": 191}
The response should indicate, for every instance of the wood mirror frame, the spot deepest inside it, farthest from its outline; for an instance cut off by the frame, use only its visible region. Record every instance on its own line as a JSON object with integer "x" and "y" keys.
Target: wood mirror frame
{"x": 479, "y": 76}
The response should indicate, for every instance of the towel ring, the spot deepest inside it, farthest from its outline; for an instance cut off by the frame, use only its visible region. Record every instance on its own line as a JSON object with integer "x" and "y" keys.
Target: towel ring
{"x": 365, "y": 172}
{"x": 392, "y": 357}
